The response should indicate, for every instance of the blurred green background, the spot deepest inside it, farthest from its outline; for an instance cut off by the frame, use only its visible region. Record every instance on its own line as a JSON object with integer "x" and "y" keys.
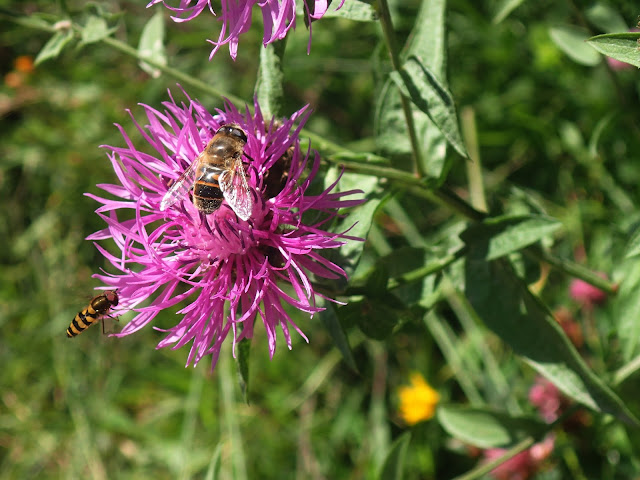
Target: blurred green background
{"x": 99, "y": 407}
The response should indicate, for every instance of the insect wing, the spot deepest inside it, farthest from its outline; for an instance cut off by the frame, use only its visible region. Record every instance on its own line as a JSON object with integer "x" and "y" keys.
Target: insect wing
{"x": 235, "y": 189}
{"x": 181, "y": 187}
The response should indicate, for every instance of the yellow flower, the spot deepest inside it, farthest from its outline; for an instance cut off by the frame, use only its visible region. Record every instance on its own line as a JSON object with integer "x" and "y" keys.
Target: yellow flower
{"x": 418, "y": 401}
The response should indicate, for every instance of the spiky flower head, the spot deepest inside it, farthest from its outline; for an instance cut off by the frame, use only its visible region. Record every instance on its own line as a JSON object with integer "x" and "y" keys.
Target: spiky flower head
{"x": 231, "y": 271}
{"x": 279, "y": 16}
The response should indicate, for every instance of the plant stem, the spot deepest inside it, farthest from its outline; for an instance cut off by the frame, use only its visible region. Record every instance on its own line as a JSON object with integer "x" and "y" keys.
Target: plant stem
{"x": 389, "y": 36}
{"x": 573, "y": 269}
{"x": 485, "y": 468}
{"x": 183, "y": 78}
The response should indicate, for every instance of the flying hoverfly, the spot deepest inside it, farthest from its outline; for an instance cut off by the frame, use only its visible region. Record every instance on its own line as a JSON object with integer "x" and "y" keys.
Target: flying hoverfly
{"x": 98, "y": 308}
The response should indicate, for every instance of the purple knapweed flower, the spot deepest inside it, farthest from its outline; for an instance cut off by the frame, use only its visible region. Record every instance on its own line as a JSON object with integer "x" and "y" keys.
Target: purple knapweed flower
{"x": 279, "y": 16}
{"x": 231, "y": 271}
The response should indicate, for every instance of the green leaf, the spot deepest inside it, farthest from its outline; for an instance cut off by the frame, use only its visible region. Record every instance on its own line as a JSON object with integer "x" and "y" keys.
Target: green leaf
{"x": 504, "y": 8}
{"x": 243, "y": 352}
{"x": 358, "y": 219}
{"x": 95, "y": 30}
{"x": 269, "y": 89}
{"x": 507, "y": 234}
{"x": 507, "y": 307}
{"x": 485, "y": 428}
{"x": 432, "y": 98}
{"x": 374, "y": 317}
{"x": 356, "y": 10}
{"x": 334, "y": 327}
{"x": 54, "y": 46}
{"x": 626, "y": 307}
{"x": 393, "y": 466}
{"x": 571, "y": 40}
{"x": 606, "y": 18}
{"x": 621, "y": 46}
{"x": 427, "y": 41}
{"x": 633, "y": 248}
{"x": 151, "y": 44}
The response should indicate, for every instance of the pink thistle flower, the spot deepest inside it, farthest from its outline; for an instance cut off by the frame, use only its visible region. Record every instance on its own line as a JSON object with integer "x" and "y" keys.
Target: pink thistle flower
{"x": 546, "y": 397}
{"x": 279, "y": 16}
{"x": 586, "y": 294}
{"x": 234, "y": 271}
{"x": 523, "y": 465}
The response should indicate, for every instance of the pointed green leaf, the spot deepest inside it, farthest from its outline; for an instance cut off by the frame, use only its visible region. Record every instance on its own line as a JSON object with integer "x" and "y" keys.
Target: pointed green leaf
{"x": 572, "y": 41}
{"x": 334, "y": 327}
{"x": 626, "y": 307}
{"x": 95, "y": 30}
{"x": 507, "y": 307}
{"x": 504, "y": 8}
{"x": 427, "y": 41}
{"x": 358, "y": 220}
{"x": 393, "y": 466}
{"x": 507, "y": 234}
{"x": 431, "y": 97}
{"x": 377, "y": 318}
{"x": 606, "y": 18}
{"x": 633, "y": 248}
{"x": 486, "y": 428}
{"x": 621, "y": 46}
{"x": 269, "y": 89}
{"x": 151, "y": 44}
{"x": 54, "y": 46}
{"x": 356, "y": 10}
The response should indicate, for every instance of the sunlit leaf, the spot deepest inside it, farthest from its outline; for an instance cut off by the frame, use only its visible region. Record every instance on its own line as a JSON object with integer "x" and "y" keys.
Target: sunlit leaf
{"x": 486, "y": 428}
{"x": 54, "y": 46}
{"x": 151, "y": 44}
{"x": 627, "y": 303}
{"x": 269, "y": 90}
{"x": 427, "y": 41}
{"x": 503, "y": 235}
{"x": 571, "y": 40}
{"x": 432, "y": 98}
{"x": 621, "y": 46}
{"x": 504, "y": 8}
{"x": 95, "y": 30}
{"x": 633, "y": 248}
{"x": 606, "y": 18}
{"x": 354, "y": 10}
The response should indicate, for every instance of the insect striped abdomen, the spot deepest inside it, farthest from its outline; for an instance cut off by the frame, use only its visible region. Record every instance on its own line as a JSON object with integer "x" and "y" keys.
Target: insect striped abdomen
{"x": 98, "y": 307}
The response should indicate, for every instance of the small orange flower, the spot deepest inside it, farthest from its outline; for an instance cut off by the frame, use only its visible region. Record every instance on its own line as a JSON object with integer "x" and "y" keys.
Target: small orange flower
{"x": 418, "y": 401}
{"x": 24, "y": 64}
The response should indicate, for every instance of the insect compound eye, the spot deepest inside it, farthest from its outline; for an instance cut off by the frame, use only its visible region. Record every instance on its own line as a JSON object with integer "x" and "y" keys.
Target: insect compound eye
{"x": 235, "y": 130}
{"x": 238, "y": 132}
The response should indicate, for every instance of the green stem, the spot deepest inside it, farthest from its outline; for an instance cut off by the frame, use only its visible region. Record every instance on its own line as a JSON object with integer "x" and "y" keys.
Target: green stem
{"x": 184, "y": 79}
{"x": 573, "y": 269}
{"x": 269, "y": 91}
{"x": 390, "y": 39}
{"x": 412, "y": 276}
{"x": 626, "y": 371}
